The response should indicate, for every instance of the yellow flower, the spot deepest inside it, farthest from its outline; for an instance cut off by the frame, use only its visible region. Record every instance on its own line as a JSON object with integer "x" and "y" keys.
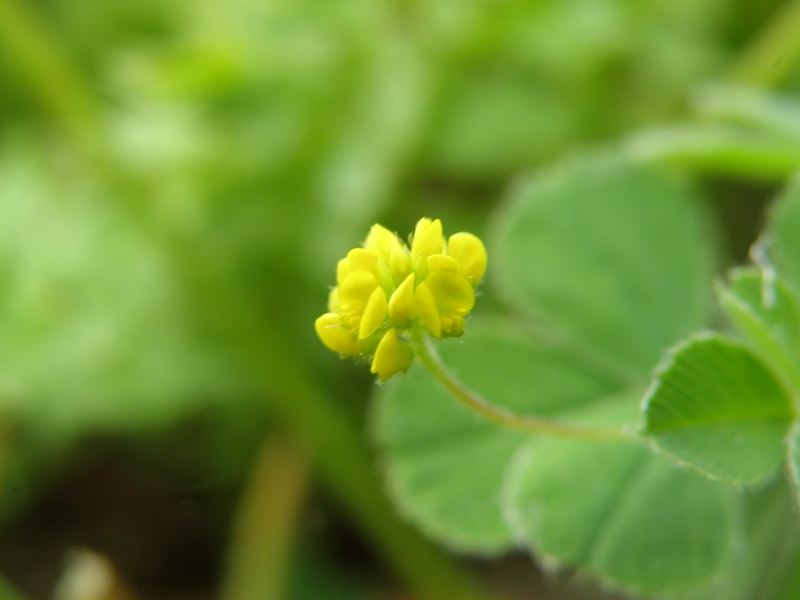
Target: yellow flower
{"x": 386, "y": 288}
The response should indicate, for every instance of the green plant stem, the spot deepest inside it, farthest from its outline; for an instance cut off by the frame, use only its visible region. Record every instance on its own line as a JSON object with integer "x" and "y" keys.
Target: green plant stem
{"x": 772, "y": 56}
{"x": 265, "y": 521}
{"x": 496, "y": 414}
{"x": 345, "y": 467}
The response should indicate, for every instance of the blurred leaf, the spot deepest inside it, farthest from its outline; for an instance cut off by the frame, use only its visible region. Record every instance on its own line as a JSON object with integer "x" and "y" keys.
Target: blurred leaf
{"x": 756, "y": 108}
{"x": 715, "y": 406}
{"x": 783, "y": 241}
{"x": 446, "y": 465}
{"x": 794, "y": 458}
{"x": 95, "y": 329}
{"x": 767, "y": 314}
{"x": 718, "y": 150}
{"x": 592, "y": 248}
{"x": 622, "y": 511}
{"x": 7, "y": 592}
{"x": 494, "y": 125}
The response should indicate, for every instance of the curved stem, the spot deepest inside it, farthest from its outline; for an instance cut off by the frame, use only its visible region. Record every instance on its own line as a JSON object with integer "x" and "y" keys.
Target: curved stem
{"x": 497, "y": 414}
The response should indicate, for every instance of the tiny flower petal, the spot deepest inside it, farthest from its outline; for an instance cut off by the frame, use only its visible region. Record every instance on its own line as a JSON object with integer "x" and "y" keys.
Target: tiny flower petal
{"x": 470, "y": 254}
{"x": 343, "y": 269}
{"x": 428, "y": 310}
{"x": 427, "y": 240}
{"x": 374, "y": 314}
{"x": 355, "y": 289}
{"x": 452, "y": 325}
{"x": 360, "y": 258}
{"x": 442, "y": 261}
{"x": 391, "y": 356}
{"x": 399, "y": 264}
{"x": 335, "y": 336}
{"x": 334, "y": 304}
{"x": 383, "y": 242}
{"x": 384, "y": 289}
{"x": 452, "y": 291}
{"x": 401, "y": 304}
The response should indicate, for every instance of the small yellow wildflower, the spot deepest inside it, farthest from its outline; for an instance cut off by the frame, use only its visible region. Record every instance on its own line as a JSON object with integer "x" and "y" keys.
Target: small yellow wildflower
{"x": 386, "y": 288}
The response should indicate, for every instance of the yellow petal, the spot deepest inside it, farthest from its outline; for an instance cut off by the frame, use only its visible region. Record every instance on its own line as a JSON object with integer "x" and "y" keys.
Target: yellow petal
{"x": 401, "y": 304}
{"x": 399, "y": 264}
{"x": 452, "y": 325}
{"x": 374, "y": 314}
{"x": 442, "y": 261}
{"x": 383, "y": 242}
{"x": 343, "y": 269}
{"x": 355, "y": 289}
{"x": 470, "y": 254}
{"x": 427, "y": 309}
{"x": 367, "y": 260}
{"x": 427, "y": 240}
{"x": 334, "y": 304}
{"x": 452, "y": 291}
{"x": 360, "y": 258}
{"x": 335, "y": 336}
{"x": 391, "y": 356}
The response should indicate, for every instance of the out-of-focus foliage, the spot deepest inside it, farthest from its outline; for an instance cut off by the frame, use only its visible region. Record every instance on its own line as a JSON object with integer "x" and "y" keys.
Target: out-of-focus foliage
{"x": 178, "y": 178}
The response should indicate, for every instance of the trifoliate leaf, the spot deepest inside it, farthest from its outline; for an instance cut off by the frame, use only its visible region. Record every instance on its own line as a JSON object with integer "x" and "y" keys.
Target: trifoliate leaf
{"x": 767, "y": 314}
{"x": 717, "y": 407}
{"x": 613, "y": 254}
{"x": 445, "y": 464}
{"x": 621, "y": 511}
{"x": 784, "y": 242}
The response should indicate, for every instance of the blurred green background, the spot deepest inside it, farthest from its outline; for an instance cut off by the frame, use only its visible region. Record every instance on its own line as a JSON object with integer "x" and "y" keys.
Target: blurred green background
{"x": 177, "y": 182}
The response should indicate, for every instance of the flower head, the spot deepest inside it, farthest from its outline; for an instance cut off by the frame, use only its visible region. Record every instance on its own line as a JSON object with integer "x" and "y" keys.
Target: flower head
{"x": 386, "y": 287}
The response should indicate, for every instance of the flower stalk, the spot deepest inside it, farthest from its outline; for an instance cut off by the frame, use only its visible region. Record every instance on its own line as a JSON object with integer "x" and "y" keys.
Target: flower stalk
{"x": 424, "y": 350}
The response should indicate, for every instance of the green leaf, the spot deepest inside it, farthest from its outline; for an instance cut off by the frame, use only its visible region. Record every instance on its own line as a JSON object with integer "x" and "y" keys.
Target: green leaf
{"x": 618, "y": 509}
{"x": 784, "y": 242}
{"x": 718, "y": 150}
{"x": 96, "y": 333}
{"x": 593, "y": 248}
{"x": 794, "y": 458}
{"x": 767, "y": 314}
{"x": 752, "y": 107}
{"x": 446, "y": 465}
{"x": 715, "y": 406}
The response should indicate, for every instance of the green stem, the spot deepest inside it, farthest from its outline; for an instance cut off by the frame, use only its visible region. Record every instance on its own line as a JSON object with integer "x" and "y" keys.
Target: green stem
{"x": 264, "y": 525}
{"x": 343, "y": 463}
{"x": 771, "y": 57}
{"x": 496, "y": 414}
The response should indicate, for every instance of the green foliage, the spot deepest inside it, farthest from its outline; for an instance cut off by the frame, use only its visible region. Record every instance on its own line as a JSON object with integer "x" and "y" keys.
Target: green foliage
{"x": 94, "y": 323}
{"x": 588, "y": 257}
{"x": 765, "y": 313}
{"x": 621, "y": 511}
{"x": 783, "y": 241}
{"x": 446, "y": 465}
{"x": 577, "y": 247}
{"x": 716, "y": 406}
{"x": 591, "y": 248}
{"x": 794, "y": 458}
{"x": 178, "y": 179}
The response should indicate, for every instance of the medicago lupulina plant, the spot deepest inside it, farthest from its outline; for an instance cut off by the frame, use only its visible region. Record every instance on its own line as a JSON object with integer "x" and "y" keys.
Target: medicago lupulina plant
{"x": 603, "y": 426}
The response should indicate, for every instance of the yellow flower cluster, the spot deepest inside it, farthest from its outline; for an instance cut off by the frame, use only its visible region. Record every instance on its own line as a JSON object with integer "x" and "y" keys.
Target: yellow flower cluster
{"x": 384, "y": 289}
